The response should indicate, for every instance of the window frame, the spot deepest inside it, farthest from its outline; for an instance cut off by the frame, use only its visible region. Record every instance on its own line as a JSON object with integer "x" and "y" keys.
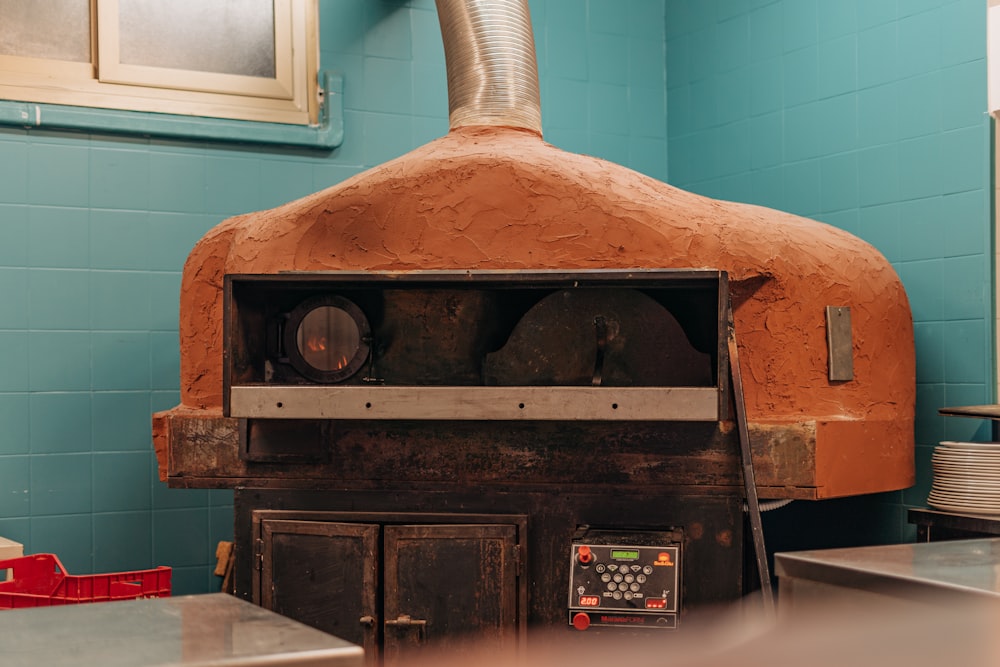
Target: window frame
{"x": 292, "y": 97}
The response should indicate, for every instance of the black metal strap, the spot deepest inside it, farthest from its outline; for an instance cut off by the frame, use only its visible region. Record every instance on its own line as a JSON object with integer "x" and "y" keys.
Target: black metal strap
{"x": 749, "y": 483}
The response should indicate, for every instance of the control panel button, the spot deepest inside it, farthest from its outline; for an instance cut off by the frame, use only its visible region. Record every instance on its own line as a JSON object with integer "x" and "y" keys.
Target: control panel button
{"x": 605, "y": 577}
{"x": 640, "y": 578}
{"x": 647, "y": 569}
{"x": 629, "y": 578}
{"x": 581, "y": 621}
{"x": 612, "y": 586}
{"x": 634, "y": 588}
{"x": 600, "y": 567}
{"x": 617, "y": 595}
{"x": 584, "y": 555}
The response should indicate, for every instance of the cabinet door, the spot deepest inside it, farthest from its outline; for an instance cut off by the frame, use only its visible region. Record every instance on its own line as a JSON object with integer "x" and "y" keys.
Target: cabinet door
{"x": 451, "y": 587}
{"x": 323, "y": 574}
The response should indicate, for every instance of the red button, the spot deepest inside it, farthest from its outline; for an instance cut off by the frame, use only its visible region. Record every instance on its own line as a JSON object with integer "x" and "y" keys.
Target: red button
{"x": 581, "y": 621}
{"x": 584, "y": 555}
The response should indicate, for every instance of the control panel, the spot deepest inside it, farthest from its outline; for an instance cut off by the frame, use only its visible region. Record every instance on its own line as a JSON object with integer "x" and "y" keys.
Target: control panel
{"x": 625, "y": 579}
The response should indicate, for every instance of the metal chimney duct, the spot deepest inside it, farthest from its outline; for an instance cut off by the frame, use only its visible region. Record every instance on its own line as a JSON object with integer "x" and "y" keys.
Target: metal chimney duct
{"x": 489, "y": 51}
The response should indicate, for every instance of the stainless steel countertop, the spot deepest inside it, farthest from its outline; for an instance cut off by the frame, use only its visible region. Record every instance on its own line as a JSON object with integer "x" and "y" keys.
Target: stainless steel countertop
{"x": 959, "y": 567}
{"x": 214, "y": 630}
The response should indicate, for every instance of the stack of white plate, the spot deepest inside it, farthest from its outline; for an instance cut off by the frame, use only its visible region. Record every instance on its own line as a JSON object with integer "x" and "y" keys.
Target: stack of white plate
{"x": 966, "y": 477}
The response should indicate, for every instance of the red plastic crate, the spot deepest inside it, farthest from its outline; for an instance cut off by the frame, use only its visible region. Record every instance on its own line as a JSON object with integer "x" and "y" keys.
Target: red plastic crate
{"x": 40, "y": 580}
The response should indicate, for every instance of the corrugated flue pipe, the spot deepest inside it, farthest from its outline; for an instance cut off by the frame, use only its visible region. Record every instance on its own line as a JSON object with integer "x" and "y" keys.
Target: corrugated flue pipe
{"x": 489, "y": 51}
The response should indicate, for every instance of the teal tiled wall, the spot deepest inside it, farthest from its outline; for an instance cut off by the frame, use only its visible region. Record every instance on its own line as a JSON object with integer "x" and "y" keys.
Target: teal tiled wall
{"x": 869, "y": 115}
{"x": 94, "y": 231}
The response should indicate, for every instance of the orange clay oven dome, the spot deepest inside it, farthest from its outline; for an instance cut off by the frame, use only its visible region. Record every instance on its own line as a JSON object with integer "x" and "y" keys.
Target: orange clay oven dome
{"x": 501, "y": 198}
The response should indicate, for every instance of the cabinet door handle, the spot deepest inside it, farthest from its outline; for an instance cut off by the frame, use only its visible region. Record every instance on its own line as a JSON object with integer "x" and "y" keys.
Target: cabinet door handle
{"x": 405, "y": 621}
{"x": 367, "y": 621}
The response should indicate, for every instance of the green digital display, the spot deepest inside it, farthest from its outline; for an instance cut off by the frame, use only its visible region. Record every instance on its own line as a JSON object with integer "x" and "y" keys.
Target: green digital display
{"x": 625, "y": 554}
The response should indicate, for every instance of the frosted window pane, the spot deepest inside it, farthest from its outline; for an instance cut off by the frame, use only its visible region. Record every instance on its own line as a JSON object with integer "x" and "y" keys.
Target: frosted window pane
{"x": 221, "y": 36}
{"x": 55, "y": 29}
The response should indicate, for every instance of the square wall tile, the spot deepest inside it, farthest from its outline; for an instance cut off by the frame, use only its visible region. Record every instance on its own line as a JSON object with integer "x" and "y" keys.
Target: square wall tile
{"x": 733, "y": 95}
{"x": 565, "y": 104}
{"x": 172, "y": 236}
{"x": 837, "y": 65}
{"x": 920, "y": 104}
{"x": 839, "y": 181}
{"x": 646, "y": 62}
{"x": 120, "y": 300}
{"x": 121, "y": 360}
{"x": 122, "y": 482}
{"x": 180, "y": 537}
{"x": 920, "y": 167}
{"x": 963, "y": 154}
{"x": 69, "y": 537}
{"x": 962, "y": 88}
{"x": 734, "y": 42}
{"x": 607, "y": 16}
{"x": 800, "y": 24}
{"x": 59, "y": 361}
{"x": 837, "y": 19}
{"x": 612, "y": 66}
{"x": 61, "y": 484}
{"x": 646, "y": 18}
{"x": 880, "y": 226}
{"x": 388, "y": 30}
{"x": 60, "y": 422}
{"x": 967, "y": 280}
{"x": 878, "y": 175}
{"x": 766, "y": 140}
{"x": 123, "y": 542}
{"x": 59, "y": 174}
{"x": 919, "y": 43}
{"x": 801, "y": 76}
{"x": 878, "y": 57}
{"x": 58, "y": 298}
{"x": 58, "y": 237}
{"x": 565, "y": 52}
{"x": 232, "y": 185}
{"x": 121, "y": 421}
{"x": 963, "y": 38}
{"x": 119, "y": 239}
{"x": 964, "y": 210}
{"x": 838, "y": 118}
{"x": 802, "y": 187}
{"x": 387, "y": 136}
{"x": 647, "y": 112}
{"x": 967, "y": 346}
{"x": 176, "y": 182}
{"x": 923, "y": 236}
{"x": 15, "y": 486}
{"x": 119, "y": 178}
{"x": 878, "y": 115}
{"x": 387, "y": 86}
{"x": 766, "y": 28}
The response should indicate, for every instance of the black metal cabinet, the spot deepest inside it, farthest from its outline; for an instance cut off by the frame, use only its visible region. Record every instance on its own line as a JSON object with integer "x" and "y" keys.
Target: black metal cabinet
{"x": 395, "y": 583}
